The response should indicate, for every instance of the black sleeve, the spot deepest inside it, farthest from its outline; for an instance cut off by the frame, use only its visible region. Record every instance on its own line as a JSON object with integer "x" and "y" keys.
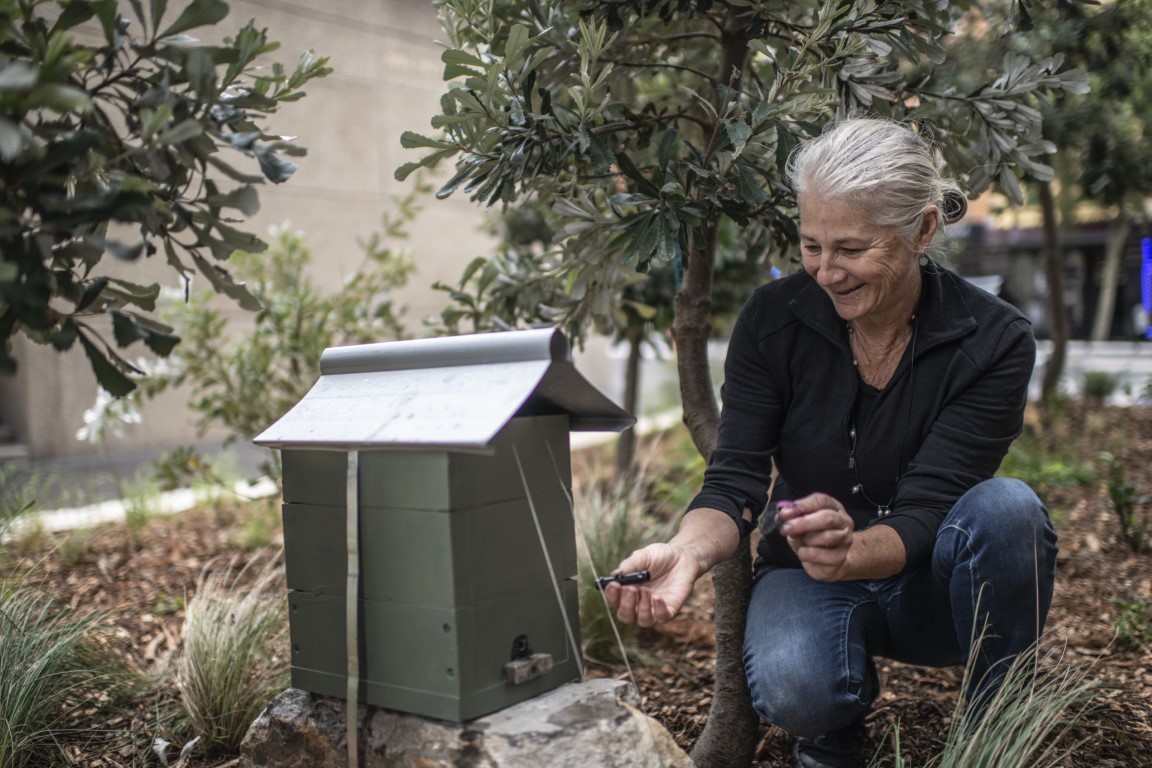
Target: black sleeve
{"x": 740, "y": 468}
{"x": 967, "y": 441}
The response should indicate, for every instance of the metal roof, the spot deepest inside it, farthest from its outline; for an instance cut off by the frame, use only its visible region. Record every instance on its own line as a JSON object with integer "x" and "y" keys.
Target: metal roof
{"x": 454, "y": 392}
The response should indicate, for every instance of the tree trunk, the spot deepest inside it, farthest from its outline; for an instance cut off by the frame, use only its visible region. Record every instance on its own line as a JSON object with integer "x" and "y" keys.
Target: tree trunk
{"x": 1054, "y": 271}
{"x": 1106, "y": 304}
{"x": 626, "y": 444}
{"x": 730, "y": 735}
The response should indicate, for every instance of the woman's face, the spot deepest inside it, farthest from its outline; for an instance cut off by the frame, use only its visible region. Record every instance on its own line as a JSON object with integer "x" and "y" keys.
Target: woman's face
{"x": 867, "y": 270}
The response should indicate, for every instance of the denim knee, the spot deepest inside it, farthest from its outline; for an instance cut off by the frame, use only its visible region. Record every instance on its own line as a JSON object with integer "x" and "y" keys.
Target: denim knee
{"x": 995, "y": 558}
{"x": 808, "y": 669}
{"x": 1001, "y": 518}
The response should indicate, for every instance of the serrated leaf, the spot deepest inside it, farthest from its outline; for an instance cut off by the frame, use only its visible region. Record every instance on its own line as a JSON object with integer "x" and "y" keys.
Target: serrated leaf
{"x": 143, "y": 296}
{"x": 738, "y": 133}
{"x": 65, "y": 336}
{"x": 600, "y": 154}
{"x": 127, "y": 330}
{"x": 108, "y": 375}
{"x": 413, "y": 140}
{"x": 223, "y": 283}
{"x": 457, "y": 56}
{"x": 91, "y": 291}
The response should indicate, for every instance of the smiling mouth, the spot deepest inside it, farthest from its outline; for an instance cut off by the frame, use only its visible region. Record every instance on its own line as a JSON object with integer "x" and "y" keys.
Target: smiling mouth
{"x": 849, "y": 292}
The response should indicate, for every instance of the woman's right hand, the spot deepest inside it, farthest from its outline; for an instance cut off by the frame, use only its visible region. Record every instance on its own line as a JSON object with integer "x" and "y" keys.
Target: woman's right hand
{"x": 673, "y": 572}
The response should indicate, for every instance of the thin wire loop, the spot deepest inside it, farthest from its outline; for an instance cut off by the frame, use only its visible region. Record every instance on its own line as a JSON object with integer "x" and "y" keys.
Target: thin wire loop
{"x": 551, "y": 571}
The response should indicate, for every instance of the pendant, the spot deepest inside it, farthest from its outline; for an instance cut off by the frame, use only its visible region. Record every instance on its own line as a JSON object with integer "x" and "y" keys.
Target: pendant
{"x": 883, "y": 511}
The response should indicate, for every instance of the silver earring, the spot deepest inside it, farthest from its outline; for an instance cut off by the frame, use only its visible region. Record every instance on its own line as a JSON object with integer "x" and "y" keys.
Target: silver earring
{"x": 923, "y": 260}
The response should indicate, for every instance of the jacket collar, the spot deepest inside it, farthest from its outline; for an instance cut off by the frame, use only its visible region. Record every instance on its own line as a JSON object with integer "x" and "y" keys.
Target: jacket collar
{"x": 943, "y": 314}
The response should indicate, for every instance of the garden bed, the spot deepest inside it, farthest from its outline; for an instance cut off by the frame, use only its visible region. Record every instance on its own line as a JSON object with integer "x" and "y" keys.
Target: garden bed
{"x": 1101, "y": 614}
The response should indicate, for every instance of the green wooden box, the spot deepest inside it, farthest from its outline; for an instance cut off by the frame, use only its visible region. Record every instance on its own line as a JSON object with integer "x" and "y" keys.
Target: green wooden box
{"x": 452, "y": 570}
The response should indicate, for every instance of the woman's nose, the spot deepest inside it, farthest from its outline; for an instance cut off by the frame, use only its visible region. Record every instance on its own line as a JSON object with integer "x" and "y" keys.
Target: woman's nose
{"x": 827, "y": 273}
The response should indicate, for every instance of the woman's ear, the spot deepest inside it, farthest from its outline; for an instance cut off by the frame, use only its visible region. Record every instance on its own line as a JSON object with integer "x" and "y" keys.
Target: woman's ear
{"x": 929, "y": 223}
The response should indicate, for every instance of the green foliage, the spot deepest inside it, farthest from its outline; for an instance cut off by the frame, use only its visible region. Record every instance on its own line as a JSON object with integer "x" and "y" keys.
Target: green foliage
{"x": 613, "y": 522}
{"x": 139, "y": 497}
{"x": 244, "y": 381}
{"x": 261, "y": 527}
{"x": 74, "y": 547}
{"x": 23, "y": 489}
{"x": 48, "y": 667}
{"x": 1028, "y": 722}
{"x": 17, "y": 497}
{"x": 647, "y": 125}
{"x": 127, "y": 146}
{"x": 520, "y": 284}
{"x": 1104, "y": 132}
{"x": 1133, "y": 623}
{"x": 1044, "y": 467}
{"x": 1130, "y": 506}
{"x": 677, "y": 484}
{"x": 234, "y": 657}
{"x": 1099, "y": 385}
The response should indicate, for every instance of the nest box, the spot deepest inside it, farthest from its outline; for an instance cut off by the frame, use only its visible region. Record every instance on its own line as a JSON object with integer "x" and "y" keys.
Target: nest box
{"x": 436, "y": 472}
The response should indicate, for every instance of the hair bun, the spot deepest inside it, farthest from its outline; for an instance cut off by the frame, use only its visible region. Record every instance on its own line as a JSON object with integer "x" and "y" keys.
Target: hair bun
{"x": 955, "y": 206}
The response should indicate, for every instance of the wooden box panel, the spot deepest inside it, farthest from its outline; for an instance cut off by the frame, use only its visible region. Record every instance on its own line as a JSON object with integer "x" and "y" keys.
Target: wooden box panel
{"x": 447, "y": 664}
{"x": 437, "y": 479}
{"x": 432, "y": 558}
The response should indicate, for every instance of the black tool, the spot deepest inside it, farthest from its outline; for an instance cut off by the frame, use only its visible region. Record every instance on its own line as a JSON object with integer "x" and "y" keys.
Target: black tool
{"x": 636, "y": 577}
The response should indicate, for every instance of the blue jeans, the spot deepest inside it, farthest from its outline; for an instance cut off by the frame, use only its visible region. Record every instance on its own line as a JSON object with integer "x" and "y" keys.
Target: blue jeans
{"x": 809, "y": 645}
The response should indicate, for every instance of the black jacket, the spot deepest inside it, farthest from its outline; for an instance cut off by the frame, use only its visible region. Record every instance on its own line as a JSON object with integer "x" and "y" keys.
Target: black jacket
{"x": 942, "y": 424}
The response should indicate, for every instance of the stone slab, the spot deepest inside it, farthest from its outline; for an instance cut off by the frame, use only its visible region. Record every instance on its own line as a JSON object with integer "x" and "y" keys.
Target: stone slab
{"x": 593, "y": 723}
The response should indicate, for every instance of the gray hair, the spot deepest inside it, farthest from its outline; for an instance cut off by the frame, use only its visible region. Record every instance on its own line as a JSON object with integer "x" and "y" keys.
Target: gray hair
{"x": 885, "y": 167}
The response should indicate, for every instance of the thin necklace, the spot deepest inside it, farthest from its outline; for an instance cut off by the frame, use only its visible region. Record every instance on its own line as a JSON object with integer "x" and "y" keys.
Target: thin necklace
{"x": 884, "y": 509}
{"x": 880, "y": 367}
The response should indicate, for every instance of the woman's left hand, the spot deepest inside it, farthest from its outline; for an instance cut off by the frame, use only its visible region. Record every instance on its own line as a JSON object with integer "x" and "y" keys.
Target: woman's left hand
{"x": 820, "y": 532}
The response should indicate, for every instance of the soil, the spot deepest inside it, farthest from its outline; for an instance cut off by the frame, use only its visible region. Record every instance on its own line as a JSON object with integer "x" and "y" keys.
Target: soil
{"x": 144, "y": 585}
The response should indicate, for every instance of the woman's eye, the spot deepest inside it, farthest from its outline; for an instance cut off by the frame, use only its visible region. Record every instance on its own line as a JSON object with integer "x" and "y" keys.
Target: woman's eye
{"x": 851, "y": 251}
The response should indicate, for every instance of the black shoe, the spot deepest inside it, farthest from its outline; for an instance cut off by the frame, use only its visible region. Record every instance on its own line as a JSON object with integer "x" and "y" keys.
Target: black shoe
{"x": 839, "y": 749}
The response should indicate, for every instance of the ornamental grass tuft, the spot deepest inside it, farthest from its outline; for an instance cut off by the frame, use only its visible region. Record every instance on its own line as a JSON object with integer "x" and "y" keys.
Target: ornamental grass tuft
{"x": 1032, "y": 720}
{"x": 48, "y": 667}
{"x": 234, "y": 657}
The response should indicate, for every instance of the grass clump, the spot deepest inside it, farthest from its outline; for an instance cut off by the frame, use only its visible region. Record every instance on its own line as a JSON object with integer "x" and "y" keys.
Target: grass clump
{"x": 1100, "y": 385}
{"x": 234, "y": 656}
{"x": 1133, "y": 623}
{"x": 1029, "y": 721}
{"x": 1043, "y": 467}
{"x": 614, "y": 522}
{"x": 1130, "y": 506}
{"x": 48, "y": 666}
{"x": 141, "y": 498}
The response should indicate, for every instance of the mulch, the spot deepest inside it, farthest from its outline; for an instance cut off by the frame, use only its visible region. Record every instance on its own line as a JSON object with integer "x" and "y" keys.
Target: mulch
{"x": 143, "y": 590}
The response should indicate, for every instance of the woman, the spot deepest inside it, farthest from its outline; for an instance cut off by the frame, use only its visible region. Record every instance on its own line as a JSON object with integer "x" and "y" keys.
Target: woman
{"x": 885, "y": 391}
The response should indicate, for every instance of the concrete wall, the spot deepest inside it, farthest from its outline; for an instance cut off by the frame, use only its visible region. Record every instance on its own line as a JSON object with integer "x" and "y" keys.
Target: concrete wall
{"x": 387, "y": 79}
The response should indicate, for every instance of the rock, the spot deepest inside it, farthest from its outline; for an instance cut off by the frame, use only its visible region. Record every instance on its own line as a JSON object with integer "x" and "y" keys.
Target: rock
{"x": 595, "y": 723}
